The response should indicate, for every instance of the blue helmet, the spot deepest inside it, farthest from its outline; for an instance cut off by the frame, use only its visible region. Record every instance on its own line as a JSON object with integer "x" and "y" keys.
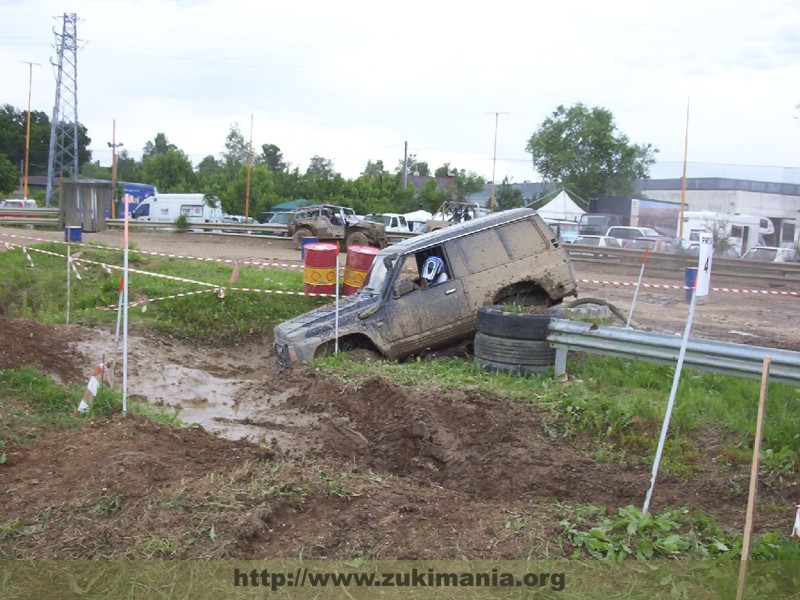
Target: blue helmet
{"x": 432, "y": 267}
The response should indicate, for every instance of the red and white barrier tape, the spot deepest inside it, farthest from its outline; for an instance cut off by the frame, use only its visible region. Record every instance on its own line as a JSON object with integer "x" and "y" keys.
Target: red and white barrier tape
{"x": 685, "y": 287}
{"x": 252, "y": 263}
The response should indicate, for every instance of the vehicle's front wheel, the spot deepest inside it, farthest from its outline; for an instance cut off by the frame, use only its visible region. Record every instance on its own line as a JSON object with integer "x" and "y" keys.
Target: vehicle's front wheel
{"x": 356, "y": 238}
{"x": 302, "y": 232}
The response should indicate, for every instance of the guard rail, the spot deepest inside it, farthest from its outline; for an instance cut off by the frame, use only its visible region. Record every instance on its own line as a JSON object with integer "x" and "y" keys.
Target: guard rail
{"x": 706, "y": 355}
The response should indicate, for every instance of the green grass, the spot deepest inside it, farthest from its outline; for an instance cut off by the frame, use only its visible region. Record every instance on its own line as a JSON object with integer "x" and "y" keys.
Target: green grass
{"x": 33, "y": 404}
{"x": 40, "y": 293}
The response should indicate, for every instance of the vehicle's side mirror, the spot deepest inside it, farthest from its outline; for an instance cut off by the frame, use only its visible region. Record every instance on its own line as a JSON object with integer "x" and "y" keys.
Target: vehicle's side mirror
{"x": 403, "y": 287}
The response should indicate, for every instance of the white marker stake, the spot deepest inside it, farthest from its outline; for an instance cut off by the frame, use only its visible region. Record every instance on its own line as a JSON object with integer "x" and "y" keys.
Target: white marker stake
{"x": 336, "y": 318}
{"x": 638, "y": 285}
{"x": 703, "y": 273}
{"x": 68, "y": 274}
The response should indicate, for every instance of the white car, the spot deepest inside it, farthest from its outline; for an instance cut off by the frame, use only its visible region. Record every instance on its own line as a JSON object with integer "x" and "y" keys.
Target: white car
{"x": 771, "y": 254}
{"x": 598, "y": 241}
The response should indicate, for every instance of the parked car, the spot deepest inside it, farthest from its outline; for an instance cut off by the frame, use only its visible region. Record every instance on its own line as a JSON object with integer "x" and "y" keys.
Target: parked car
{"x": 771, "y": 254}
{"x": 566, "y": 230}
{"x": 659, "y": 244}
{"x": 500, "y": 258}
{"x": 264, "y": 217}
{"x": 598, "y": 241}
{"x": 626, "y": 234}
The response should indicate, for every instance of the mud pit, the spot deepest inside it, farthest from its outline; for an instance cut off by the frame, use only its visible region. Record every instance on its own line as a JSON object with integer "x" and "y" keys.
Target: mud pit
{"x": 381, "y": 470}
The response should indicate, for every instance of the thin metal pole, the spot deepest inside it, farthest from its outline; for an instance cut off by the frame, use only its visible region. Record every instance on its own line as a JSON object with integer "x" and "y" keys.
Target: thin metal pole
{"x": 638, "y": 285}
{"x": 494, "y": 157}
{"x": 249, "y": 165}
{"x": 673, "y": 392}
{"x": 28, "y": 129}
{"x": 683, "y": 179}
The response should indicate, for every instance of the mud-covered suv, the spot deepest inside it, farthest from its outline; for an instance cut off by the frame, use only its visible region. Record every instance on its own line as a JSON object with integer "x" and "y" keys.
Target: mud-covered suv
{"x": 329, "y": 222}
{"x": 503, "y": 257}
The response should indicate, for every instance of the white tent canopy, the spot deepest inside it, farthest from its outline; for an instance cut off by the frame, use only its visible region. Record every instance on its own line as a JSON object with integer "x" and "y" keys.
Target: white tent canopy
{"x": 419, "y": 215}
{"x": 561, "y": 207}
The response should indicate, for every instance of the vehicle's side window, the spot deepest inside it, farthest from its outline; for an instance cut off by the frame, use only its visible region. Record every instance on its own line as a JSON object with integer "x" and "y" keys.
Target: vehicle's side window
{"x": 431, "y": 268}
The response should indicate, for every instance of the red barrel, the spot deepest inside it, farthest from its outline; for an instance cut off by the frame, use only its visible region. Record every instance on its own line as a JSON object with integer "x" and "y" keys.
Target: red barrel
{"x": 319, "y": 275}
{"x": 359, "y": 261}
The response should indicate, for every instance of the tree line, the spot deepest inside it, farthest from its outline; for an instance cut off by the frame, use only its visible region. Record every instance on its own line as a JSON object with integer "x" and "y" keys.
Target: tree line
{"x": 576, "y": 147}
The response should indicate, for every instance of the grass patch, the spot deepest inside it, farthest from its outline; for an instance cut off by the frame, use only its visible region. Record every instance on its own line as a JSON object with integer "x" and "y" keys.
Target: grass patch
{"x": 40, "y": 293}
{"x": 32, "y": 404}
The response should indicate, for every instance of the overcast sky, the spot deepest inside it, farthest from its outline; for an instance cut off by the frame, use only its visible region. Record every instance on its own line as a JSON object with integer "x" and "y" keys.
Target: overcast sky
{"x": 353, "y": 81}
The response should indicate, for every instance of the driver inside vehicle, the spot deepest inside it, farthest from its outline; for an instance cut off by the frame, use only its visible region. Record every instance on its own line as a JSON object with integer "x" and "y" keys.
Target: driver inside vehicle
{"x": 433, "y": 273}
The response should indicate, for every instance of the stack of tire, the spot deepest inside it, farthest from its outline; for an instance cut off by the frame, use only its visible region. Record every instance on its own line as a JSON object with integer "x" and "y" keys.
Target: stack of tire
{"x": 513, "y": 342}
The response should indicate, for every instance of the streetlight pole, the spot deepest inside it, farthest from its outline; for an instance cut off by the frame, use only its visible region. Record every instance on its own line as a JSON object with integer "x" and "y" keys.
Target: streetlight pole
{"x": 28, "y": 129}
{"x": 114, "y": 145}
{"x": 494, "y": 157}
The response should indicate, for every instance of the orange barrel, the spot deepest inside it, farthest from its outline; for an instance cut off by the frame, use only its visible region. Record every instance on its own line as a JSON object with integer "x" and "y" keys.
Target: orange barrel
{"x": 359, "y": 260}
{"x": 319, "y": 275}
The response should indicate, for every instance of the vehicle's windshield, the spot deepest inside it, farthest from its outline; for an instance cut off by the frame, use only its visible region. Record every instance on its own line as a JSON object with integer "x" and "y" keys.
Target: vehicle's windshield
{"x": 374, "y": 282}
{"x": 568, "y": 226}
{"x": 646, "y": 231}
{"x": 767, "y": 254}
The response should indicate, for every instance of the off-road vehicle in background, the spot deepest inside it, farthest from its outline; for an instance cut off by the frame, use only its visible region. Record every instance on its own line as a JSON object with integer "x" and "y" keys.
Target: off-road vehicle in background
{"x": 328, "y": 222}
{"x": 452, "y": 212}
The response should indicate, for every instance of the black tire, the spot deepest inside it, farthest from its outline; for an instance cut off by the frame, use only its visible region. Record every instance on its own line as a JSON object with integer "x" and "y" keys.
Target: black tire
{"x": 513, "y": 356}
{"x": 494, "y": 321}
{"x": 357, "y": 238}
{"x": 302, "y": 232}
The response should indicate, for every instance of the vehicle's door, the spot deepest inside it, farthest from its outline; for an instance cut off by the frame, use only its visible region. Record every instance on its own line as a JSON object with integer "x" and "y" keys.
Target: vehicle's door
{"x": 424, "y": 318}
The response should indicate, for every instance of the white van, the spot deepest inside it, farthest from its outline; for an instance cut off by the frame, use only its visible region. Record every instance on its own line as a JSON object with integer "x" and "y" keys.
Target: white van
{"x": 166, "y": 208}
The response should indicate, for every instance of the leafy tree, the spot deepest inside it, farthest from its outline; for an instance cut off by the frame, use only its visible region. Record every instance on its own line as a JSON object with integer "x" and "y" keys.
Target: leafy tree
{"x": 93, "y": 170}
{"x": 320, "y": 167}
{"x": 272, "y": 157}
{"x": 374, "y": 169}
{"x": 160, "y": 145}
{"x": 443, "y": 171}
{"x": 465, "y": 184}
{"x": 127, "y": 168}
{"x": 236, "y": 151}
{"x": 507, "y": 197}
{"x": 169, "y": 172}
{"x": 13, "y": 129}
{"x": 415, "y": 167}
{"x": 582, "y": 149}
{"x": 430, "y": 197}
{"x": 9, "y": 176}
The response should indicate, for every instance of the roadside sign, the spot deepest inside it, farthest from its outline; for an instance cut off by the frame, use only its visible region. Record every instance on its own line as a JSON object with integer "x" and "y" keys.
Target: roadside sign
{"x": 704, "y": 264}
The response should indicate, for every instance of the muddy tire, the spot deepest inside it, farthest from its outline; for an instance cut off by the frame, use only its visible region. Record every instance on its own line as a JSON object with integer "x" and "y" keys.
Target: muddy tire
{"x": 302, "y": 232}
{"x": 494, "y": 321}
{"x": 356, "y": 238}
{"x": 513, "y": 355}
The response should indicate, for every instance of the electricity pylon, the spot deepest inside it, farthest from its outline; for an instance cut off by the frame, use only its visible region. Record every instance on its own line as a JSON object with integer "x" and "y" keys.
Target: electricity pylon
{"x": 63, "y": 159}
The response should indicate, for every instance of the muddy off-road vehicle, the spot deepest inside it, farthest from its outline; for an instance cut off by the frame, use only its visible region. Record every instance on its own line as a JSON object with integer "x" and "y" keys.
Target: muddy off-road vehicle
{"x": 452, "y": 212}
{"x": 327, "y": 222}
{"x": 510, "y": 256}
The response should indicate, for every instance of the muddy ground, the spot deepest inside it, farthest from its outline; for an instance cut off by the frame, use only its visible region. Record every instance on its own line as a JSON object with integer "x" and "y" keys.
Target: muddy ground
{"x": 300, "y": 464}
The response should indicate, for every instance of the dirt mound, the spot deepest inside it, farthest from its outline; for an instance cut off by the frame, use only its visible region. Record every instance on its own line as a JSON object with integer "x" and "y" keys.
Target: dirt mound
{"x": 24, "y": 343}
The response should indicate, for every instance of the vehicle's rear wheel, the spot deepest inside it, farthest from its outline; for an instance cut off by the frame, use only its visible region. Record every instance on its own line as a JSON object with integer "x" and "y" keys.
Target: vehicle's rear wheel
{"x": 302, "y": 232}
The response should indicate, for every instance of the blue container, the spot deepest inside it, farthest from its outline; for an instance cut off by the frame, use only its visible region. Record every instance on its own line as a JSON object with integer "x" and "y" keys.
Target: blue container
{"x": 690, "y": 278}
{"x": 73, "y": 234}
{"x": 303, "y": 243}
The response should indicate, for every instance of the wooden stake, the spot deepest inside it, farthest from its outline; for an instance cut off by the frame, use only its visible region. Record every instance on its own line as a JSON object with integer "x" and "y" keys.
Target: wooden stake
{"x": 751, "y": 499}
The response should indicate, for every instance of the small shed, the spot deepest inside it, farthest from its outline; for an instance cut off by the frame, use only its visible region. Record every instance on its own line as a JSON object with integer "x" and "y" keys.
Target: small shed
{"x": 83, "y": 203}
